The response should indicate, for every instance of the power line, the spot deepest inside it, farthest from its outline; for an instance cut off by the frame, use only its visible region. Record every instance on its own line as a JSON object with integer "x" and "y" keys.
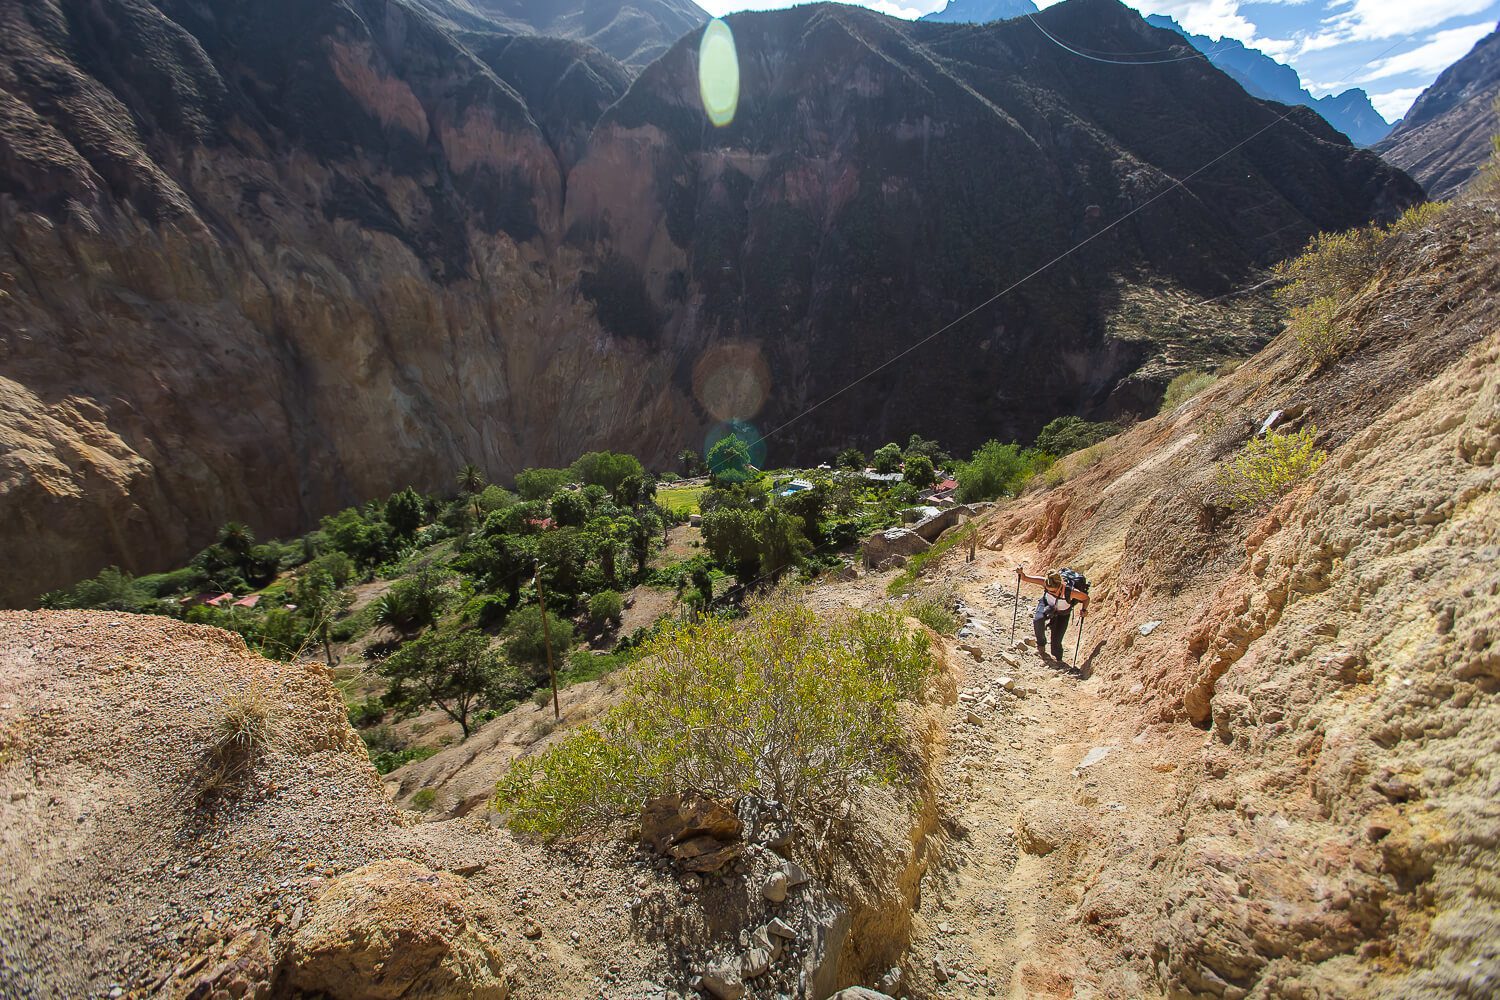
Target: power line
{"x": 1176, "y": 182}
{"x": 1117, "y": 62}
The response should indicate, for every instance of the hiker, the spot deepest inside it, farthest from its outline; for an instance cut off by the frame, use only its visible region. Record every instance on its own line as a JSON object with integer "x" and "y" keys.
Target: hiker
{"x": 1060, "y": 592}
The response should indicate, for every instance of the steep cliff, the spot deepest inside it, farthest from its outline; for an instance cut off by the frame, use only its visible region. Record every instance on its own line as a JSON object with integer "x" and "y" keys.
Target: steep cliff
{"x": 260, "y": 260}
{"x": 1445, "y": 137}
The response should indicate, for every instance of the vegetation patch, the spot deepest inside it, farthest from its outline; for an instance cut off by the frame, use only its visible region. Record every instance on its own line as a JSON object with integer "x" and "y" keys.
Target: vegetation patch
{"x": 786, "y": 703}
{"x": 1268, "y": 466}
{"x": 1184, "y": 387}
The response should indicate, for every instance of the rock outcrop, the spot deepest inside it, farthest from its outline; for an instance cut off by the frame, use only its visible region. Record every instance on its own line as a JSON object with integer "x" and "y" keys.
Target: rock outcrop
{"x": 262, "y": 260}
{"x": 1327, "y": 836}
{"x": 1445, "y": 137}
{"x": 394, "y": 930}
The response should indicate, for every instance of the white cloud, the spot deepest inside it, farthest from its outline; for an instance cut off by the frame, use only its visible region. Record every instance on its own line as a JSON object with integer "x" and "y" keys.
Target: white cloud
{"x": 1394, "y": 104}
{"x": 1372, "y": 20}
{"x": 1214, "y": 18}
{"x": 1440, "y": 51}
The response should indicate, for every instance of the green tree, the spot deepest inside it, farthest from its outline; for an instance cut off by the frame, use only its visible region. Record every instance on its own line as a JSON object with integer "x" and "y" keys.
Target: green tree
{"x": 998, "y": 470}
{"x": 414, "y": 603}
{"x": 237, "y": 538}
{"x": 320, "y": 602}
{"x": 470, "y": 482}
{"x": 455, "y": 671}
{"x": 729, "y": 460}
{"x": 112, "y": 590}
{"x": 852, "y": 459}
{"x": 501, "y": 563}
{"x": 367, "y": 542}
{"x": 606, "y": 468}
{"x": 565, "y": 556}
{"x": 404, "y": 512}
{"x": 887, "y": 458}
{"x": 636, "y": 491}
{"x": 539, "y": 484}
{"x": 569, "y": 508}
{"x": 731, "y": 535}
{"x": 919, "y": 473}
{"x": 525, "y": 640}
{"x": 690, "y": 462}
{"x": 640, "y": 530}
{"x": 782, "y": 543}
{"x": 928, "y": 448}
{"x": 1066, "y": 435}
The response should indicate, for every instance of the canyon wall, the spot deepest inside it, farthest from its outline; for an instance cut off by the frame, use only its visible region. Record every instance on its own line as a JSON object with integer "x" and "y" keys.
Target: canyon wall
{"x": 261, "y": 260}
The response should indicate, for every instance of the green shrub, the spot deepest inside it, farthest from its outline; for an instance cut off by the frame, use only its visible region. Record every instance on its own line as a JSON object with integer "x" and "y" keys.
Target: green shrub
{"x": 787, "y": 703}
{"x": 366, "y": 713}
{"x": 606, "y": 605}
{"x": 1268, "y": 466}
{"x": 998, "y": 470}
{"x": 112, "y": 590}
{"x": 539, "y": 484}
{"x": 424, "y": 798}
{"x": 935, "y": 611}
{"x": 1066, "y": 435}
{"x": 1184, "y": 387}
{"x": 1319, "y": 335}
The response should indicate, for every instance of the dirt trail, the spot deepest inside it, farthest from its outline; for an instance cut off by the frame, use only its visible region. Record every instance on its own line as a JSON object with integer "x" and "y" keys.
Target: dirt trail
{"x": 1028, "y": 827}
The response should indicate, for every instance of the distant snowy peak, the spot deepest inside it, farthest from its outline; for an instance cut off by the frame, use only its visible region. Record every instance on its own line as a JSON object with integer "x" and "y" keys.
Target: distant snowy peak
{"x": 981, "y": 11}
{"x": 1350, "y": 112}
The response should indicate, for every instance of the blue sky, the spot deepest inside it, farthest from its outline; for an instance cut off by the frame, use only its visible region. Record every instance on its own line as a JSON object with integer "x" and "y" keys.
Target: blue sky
{"x": 1391, "y": 48}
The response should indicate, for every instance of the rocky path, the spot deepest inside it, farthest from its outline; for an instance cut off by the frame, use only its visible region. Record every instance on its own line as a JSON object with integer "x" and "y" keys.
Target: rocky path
{"x": 1043, "y": 780}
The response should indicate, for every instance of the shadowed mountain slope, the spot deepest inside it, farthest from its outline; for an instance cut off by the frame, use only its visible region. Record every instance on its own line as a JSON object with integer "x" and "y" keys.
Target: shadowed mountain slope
{"x": 1445, "y": 137}
{"x": 262, "y": 260}
{"x": 632, "y": 31}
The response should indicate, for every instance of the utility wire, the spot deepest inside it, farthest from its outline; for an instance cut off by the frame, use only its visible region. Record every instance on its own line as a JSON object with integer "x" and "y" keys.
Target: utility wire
{"x": 1118, "y": 62}
{"x": 1176, "y": 182}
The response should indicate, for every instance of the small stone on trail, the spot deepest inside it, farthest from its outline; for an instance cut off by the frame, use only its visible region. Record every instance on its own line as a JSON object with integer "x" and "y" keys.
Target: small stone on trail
{"x": 1091, "y": 758}
{"x": 1149, "y": 627}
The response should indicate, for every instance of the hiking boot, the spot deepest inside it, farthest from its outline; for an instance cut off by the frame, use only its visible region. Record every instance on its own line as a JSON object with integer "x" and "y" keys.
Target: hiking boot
{"x": 1041, "y": 651}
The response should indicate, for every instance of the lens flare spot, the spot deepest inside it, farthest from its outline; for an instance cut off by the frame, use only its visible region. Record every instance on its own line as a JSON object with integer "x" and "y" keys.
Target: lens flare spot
{"x": 731, "y": 381}
{"x": 719, "y": 73}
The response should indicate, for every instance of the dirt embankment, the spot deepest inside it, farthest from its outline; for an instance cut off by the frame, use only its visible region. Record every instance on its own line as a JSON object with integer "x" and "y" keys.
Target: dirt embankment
{"x": 178, "y": 814}
{"x": 1296, "y": 707}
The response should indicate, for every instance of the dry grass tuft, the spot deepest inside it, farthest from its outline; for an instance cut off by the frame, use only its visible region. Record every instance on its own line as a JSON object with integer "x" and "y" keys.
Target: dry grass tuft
{"x": 243, "y": 731}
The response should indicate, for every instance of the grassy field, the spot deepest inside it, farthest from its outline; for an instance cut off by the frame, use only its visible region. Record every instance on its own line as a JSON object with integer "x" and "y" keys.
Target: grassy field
{"x": 680, "y": 497}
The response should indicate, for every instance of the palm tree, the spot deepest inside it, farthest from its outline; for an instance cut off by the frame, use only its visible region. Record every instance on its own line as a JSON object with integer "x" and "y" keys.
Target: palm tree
{"x": 237, "y": 537}
{"x": 471, "y": 483}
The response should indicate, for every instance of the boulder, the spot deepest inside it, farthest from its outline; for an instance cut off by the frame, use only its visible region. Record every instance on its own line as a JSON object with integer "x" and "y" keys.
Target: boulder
{"x": 722, "y": 981}
{"x": 885, "y": 546}
{"x": 1044, "y": 825}
{"x": 859, "y": 993}
{"x": 395, "y": 929}
{"x": 669, "y": 820}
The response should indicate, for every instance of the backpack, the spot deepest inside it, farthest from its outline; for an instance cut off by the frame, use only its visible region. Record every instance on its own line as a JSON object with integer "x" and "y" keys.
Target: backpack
{"x": 1074, "y": 580}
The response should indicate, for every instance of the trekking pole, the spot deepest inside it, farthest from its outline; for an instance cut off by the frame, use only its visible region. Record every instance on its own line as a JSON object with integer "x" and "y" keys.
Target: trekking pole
{"x": 1083, "y": 614}
{"x": 1015, "y": 608}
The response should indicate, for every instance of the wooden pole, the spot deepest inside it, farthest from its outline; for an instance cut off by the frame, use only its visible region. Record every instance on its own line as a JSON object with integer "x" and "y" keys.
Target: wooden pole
{"x": 541, "y": 599}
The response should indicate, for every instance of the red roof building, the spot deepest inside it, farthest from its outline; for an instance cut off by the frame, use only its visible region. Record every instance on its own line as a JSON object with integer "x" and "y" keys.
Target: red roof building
{"x": 249, "y": 601}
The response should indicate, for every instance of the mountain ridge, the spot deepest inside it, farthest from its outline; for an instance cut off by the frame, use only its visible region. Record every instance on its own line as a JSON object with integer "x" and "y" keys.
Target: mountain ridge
{"x": 1349, "y": 111}
{"x": 1445, "y": 138}
{"x": 360, "y": 257}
